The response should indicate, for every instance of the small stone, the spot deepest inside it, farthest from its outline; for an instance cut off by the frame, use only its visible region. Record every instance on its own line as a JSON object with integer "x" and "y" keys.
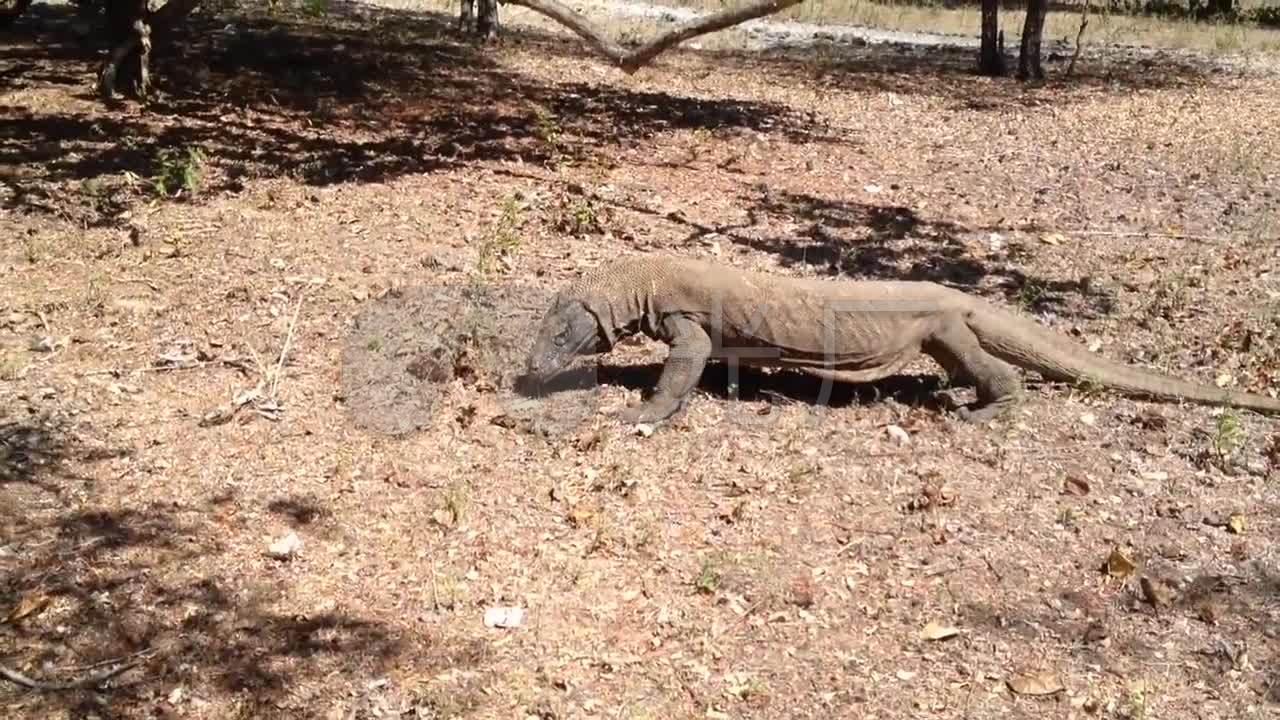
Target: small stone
{"x": 503, "y": 617}
{"x": 898, "y": 435}
{"x": 286, "y": 547}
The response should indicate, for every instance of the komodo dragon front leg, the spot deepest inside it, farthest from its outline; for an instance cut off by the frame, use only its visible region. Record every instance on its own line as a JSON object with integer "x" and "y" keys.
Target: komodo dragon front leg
{"x": 955, "y": 347}
{"x": 690, "y": 349}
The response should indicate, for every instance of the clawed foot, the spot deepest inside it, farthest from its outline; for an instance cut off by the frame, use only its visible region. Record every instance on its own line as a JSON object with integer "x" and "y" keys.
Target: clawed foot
{"x": 984, "y": 413}
{"x": 652, "y": 412}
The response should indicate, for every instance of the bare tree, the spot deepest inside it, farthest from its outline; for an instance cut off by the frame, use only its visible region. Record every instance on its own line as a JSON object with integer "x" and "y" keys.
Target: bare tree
{"x": 1029, "y": 67}
{"x": 991, "y": 55}
{"x": 631, "y": 60}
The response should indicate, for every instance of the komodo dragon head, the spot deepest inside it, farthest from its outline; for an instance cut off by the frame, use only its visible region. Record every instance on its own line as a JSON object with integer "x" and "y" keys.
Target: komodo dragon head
{"x": 569, "y": 329}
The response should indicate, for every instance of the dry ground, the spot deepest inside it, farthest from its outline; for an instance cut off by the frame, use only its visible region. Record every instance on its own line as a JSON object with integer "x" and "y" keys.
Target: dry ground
{"x": 762, "y": 557}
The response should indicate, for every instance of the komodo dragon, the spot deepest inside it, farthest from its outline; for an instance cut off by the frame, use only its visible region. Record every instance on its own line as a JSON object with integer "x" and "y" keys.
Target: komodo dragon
{"x": 844, "y": 330}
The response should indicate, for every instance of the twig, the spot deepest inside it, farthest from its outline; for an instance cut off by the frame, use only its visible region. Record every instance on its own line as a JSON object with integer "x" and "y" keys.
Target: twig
{"x": 94, "y": 666}
{"x": 288, "y": 339}
{"x": 231, "y": 363}
{"x": 741, "y": 619}
{"x": 1084, "y": 22}
{"x": 94, "y": 680}
{"x": 1142, "y": 233}
{"x": 992, "y": 568}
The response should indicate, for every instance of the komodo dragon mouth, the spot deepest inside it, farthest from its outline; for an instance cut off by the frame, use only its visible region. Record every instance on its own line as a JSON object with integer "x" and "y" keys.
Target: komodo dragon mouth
{"x": 568, "y": 330}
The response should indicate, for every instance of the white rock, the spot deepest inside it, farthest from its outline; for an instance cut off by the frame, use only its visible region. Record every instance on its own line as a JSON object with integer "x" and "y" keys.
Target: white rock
{"x": 898, "y": 435}
{"x": 286, "y": 547}
{"x": 503, "y": 617}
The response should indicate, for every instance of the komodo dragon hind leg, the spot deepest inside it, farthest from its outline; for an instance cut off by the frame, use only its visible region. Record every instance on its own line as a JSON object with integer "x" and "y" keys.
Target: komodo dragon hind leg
{"x": 954, "y": 346}
{"x": 690, "y": 350}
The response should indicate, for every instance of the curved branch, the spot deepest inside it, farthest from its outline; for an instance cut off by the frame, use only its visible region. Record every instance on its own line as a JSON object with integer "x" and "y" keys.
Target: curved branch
{"x": 94, "y": 680}
{"x": 633, "y": 60}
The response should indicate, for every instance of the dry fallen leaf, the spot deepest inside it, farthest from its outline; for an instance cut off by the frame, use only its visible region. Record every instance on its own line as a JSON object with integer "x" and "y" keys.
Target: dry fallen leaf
{"x": 1041, "y": 683}
{"x": 29, "y": 605}
{"x": 1075, "y": 485}
{"x": 934, "y": 631}
{"x": 1236, "y": 523}
{"x": 1118, "y": 565}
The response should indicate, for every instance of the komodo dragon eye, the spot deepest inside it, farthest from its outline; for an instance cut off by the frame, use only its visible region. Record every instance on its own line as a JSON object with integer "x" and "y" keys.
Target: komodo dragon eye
{"x": 562, "y": 338}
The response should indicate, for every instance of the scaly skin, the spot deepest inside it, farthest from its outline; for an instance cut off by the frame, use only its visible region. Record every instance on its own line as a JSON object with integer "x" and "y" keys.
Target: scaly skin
{"x": 850, "y": 331}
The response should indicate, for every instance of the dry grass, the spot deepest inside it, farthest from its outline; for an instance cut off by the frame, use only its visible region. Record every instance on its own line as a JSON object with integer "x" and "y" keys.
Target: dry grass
{"x": 761, "y": 557}
{"x": 1105, "y": 26}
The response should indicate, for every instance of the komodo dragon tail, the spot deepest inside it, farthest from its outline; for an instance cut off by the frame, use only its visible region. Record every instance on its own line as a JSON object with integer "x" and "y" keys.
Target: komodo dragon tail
{"x": 1030, "y": 346}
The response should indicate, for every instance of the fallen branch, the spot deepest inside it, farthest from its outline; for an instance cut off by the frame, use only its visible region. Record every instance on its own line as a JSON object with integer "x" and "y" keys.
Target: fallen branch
{"x": 630, "y": 61}
{"x": 93, "y": 680}
{"x": 233, "y": 363}
{"x": 1141, "y": 234}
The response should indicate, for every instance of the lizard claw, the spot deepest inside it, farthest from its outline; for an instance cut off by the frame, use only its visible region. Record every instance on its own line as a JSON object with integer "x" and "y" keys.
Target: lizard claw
{"x": 651, "y": 413}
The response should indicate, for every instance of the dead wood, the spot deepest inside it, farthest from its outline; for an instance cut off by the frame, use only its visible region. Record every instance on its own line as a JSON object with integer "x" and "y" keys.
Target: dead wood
{"x": 633, "y": 60}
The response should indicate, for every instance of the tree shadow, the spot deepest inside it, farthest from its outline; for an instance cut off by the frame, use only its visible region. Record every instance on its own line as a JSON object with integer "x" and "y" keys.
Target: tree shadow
{"x": 86, "y": 585}
{"x": 949, "y": 71}
{"x": 363, "y": 95}
{"x": 847, "y": 238}
{"x": 889, "y": 241}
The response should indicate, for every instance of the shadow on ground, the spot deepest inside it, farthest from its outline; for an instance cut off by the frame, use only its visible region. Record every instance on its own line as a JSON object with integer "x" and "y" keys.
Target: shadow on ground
{"x": 363, "y": 95}
{"x": 367, "y": 94}
{"x": 847, "y": 238}
{"x": 83, "y": 584}
{"x": 748, "y": 384}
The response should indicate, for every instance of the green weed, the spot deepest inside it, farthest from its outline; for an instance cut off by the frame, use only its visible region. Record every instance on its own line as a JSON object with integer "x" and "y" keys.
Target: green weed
{"x": 180, "y": 171}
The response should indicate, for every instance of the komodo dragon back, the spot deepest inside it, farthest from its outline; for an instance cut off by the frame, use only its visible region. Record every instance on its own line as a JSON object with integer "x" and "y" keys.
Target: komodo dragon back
{"x": 1028, "y": 345}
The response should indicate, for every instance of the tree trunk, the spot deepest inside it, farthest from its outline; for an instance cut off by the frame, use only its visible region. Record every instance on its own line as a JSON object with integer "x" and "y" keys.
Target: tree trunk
{"x": 129, "y": 33}
{"x": 487, "y": 20}
{"x": 481, "y": 21}
{"x": 8, "y": 15}
{"x": 1029, "y": 67}
{"x": 991, "y": 56}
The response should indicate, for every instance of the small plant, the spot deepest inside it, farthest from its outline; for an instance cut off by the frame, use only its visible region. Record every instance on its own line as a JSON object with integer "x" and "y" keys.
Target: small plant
{"x": 1169, "y": 298}
{"x": 578, "y": 217}
{"x": 316, "y": 8}
{"x": 546, "y": 128}
{"x": 503, "y": 240}
{"x": 1031, "y": 293}
{"x": 13, "y": 364}
{"x": 1088, "y": 386}
{"x": 457, "y": 498}
{"x": 1228, "y": 434}
{"x": 1137, "y": 702}
{"x": 708, "y": 576}
{"x": 180, "y": 171}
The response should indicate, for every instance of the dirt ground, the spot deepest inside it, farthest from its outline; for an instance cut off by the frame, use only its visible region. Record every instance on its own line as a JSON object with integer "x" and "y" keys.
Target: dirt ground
{"x": 320, "y": 338}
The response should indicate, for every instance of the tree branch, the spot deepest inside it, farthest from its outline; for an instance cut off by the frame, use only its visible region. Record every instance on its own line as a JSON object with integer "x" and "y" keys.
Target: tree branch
{"x": 94, "y": 680}
{"x": 633, "y": 60}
